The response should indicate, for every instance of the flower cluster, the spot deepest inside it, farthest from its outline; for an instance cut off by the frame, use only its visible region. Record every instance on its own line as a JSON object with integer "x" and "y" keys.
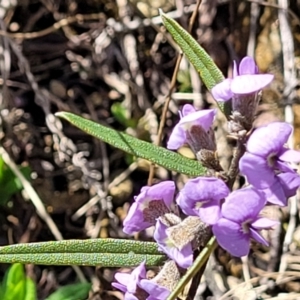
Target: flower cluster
{"x": 209, "y": 205}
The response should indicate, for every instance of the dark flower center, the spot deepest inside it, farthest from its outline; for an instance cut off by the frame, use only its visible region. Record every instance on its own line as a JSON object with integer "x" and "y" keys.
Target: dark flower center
{"x": 155, "y": 209}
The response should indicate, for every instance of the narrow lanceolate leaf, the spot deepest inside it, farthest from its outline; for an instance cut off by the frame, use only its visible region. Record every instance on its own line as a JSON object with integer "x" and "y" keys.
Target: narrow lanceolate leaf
{"x": 117, "y": 260}
{"x": 158, "y": 155}
{"x": 209, "y": 72}
{"x": 84, "y": 246}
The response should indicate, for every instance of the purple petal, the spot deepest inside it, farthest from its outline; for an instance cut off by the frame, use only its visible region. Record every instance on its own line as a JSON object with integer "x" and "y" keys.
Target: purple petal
{"x": 164, "y": 190}
{"x": 184, "y": 257}
{"x": 201, "y": 189}
{"x": 269, "y": 139}
{"x": 243, "y": 204}
{"x": 155, "y": 291}
{"x": 248, "y": 66}
{"x": 123, "y": 278}
{"x": 290, "y": 183}
{"x": 275, "y": 194}
{"x": 257, "y": 237}
{"x": 177, "y": 138}
{"x": 289, "y": 155}
{"x": 283, "y": 167}
{"x": 134, "y": 220}
{"x": 188, "y": 109}
{"x": 210, "y": 212}
{"x": 129, "y": 282}
{"x": 230, "y": 237}
{"x": 139, "y": 272}
{"x": 190, "y": 117}
{"x": 202, "y": 117}
{"x": 119, "y": 286}
{"x": 222, "y": 91}
{"x": 263, "y": 223}
{"x": 247, "y": 84}
{"x": 257, "y": 171}
{"x": 187, "y": 206}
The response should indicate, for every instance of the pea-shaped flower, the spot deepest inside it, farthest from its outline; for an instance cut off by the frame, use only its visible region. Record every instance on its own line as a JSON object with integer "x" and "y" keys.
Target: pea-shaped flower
{"x": 240, "y": 221}
{"x": 265, "y": 164}
{"x": 202, "y": 197}
{"x": 192, "y": 129}
{"x": 153, "y": 202}
{"x": 246, "y": 80}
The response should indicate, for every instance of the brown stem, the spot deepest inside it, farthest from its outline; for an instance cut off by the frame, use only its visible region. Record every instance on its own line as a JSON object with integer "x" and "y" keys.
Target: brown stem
{"x": 234, "y": 166}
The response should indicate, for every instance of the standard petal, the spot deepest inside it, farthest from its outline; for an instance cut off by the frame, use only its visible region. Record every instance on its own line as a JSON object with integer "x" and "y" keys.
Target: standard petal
{"x": 222, "y": 91}
{"x": 257, "y": 171}
{"x": 187, "y": 109}
{"x": 202, "y": 117}
{"x": 247, "y": 84}
{"x": 164, "y": 190}
{"x": 201, "y": 189}
{"x": 210, "y": 213}
{"x": 230, "y": 237}
{"x": 205, "y": 188}
{"x": 269, "y": 139}
{"x": 187, "y": 206}
{"x": 243, "y": 204}
{"x": 177, "y": 138}
{"x": 248, "y": 66}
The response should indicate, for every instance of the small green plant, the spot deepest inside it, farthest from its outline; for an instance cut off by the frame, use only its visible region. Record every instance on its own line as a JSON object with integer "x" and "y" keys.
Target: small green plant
{"x": 76, "y": 291}
{"x": 9, "y": 183}
{"x": 16, "y": 285}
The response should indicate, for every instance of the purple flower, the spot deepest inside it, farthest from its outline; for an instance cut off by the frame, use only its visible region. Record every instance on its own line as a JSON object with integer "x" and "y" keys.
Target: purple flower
{"x": 183, "y": 256}
{"x": 153, "y": 202}
{"x": 130, "y": 283}
{"x": 265, "y": 163}
{"x": 202, "y": 197}
{"x": 186, "y": 131}
{"x": 155, "y": 291}
{"x": 246, "y": 80}
{"x": 240, "y": 221}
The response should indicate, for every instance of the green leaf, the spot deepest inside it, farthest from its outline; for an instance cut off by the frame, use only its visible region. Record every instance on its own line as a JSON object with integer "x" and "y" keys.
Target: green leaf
{"x": 158, "y": 155}
{"x": 203, "y": 63}
{"x": 116, "y": 260}
{"x": 77, "y": 291}
{"x": 84, "y": 246}
{"x": 14, "y": 285}
{"x": 30, "y": 290}
{"x": 104, "y": 252}
{"x": 9, "y": 183}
